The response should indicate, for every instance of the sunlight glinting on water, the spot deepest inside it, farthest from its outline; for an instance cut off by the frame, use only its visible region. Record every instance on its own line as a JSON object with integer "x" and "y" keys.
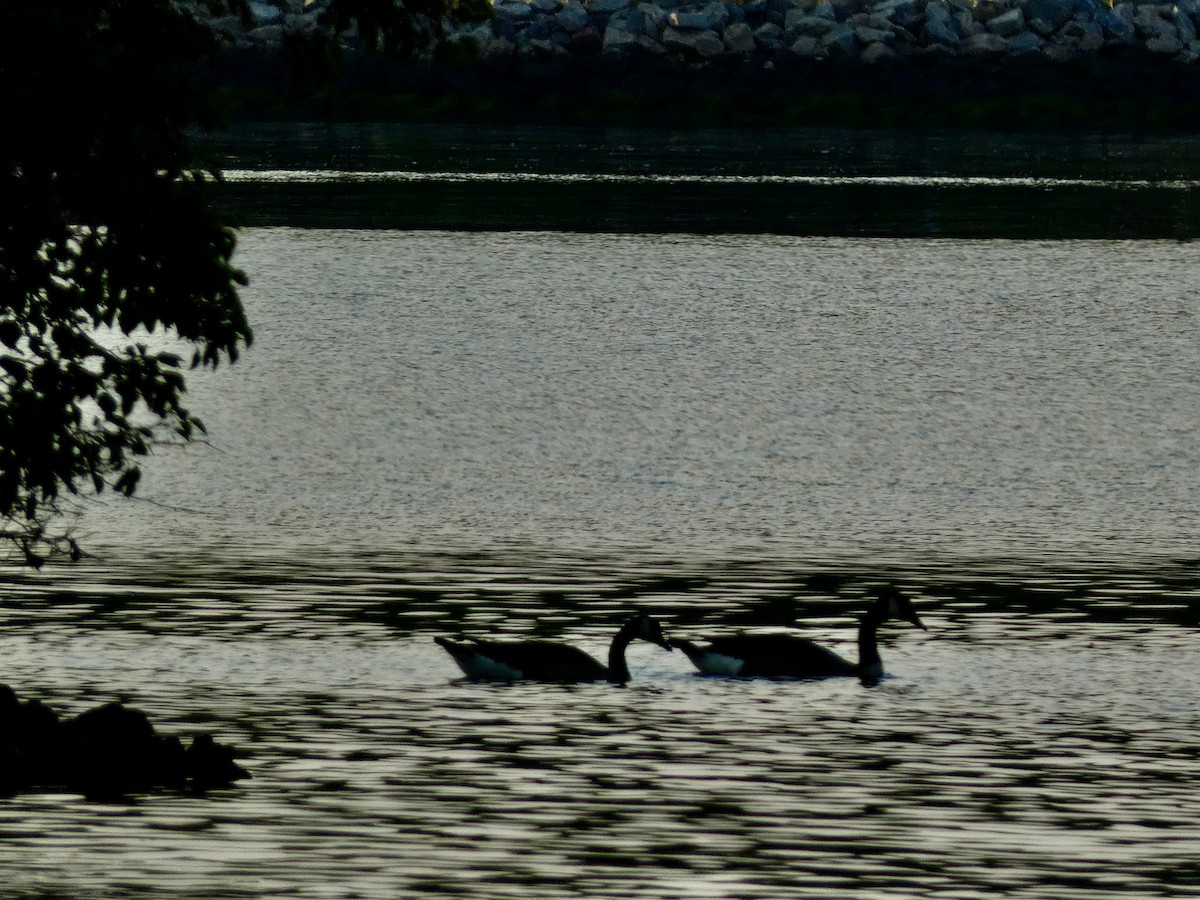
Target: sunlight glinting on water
{"x": 324, "y": 176}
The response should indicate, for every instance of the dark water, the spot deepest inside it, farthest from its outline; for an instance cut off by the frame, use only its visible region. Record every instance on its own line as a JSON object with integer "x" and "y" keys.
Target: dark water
{"x": 803, "y": 182}
{"x": 542, "y": 432}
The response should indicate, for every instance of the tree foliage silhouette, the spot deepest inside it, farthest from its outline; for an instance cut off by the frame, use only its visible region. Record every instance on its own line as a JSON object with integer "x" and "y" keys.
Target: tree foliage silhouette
{"x": 116, "y": 270}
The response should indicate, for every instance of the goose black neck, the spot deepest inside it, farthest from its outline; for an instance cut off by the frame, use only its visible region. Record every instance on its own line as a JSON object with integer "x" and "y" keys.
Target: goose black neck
{"x": 868, "y": 646}
{"x": 618, "y": 669}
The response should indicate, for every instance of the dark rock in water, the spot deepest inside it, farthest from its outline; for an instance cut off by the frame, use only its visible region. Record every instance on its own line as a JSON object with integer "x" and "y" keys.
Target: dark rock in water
{"x": 109, "y": 751}
{"x": 211, "y": 764}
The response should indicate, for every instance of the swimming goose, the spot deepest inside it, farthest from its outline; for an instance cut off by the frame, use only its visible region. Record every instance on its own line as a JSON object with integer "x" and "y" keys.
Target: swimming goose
{"x": 790, "y": 656}
{"x": 549, "y": 661}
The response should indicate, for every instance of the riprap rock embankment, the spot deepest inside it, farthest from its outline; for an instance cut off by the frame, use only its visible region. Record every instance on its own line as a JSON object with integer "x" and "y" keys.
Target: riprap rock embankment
{"x": 694, "y": 33}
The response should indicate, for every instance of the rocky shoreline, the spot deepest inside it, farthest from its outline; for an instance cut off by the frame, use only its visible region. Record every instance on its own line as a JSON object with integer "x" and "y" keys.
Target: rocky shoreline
{"x": 1023, "y": 64}
{"x": 766, "y": 31}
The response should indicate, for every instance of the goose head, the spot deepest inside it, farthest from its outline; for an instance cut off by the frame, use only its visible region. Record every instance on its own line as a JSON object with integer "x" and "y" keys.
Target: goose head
{"x": 891, "y": 604}
{"x": 648, "y": 629}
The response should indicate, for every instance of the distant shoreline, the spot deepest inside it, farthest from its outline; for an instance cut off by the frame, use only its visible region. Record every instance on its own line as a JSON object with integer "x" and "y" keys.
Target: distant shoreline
{"x": 1056, "y": 65}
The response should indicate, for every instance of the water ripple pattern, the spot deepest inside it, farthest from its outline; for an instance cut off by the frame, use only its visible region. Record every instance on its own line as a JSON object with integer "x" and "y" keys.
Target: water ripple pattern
{"x": 1038, "y": 741}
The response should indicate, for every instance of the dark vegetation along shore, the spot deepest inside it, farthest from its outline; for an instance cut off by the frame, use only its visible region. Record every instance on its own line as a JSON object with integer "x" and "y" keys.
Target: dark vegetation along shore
{"x": 1001, "y": 64}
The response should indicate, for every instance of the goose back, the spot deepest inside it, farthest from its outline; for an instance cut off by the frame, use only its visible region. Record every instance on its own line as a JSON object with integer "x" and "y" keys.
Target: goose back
{"x": 523, "y": 661}
{"x": 550, "y": 660}
{"x": 765, "y": 656}
{"x": 792, "y": 656}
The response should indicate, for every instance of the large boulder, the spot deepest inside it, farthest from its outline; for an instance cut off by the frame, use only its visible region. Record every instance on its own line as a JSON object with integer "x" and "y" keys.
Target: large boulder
{"x": 769, "y": 36}
{"x": 807, "y": 47}
{"x": 985, "y": 45}
{"x": 840, "y": 40}
{"x": 797, "y": 23}
{"x": 876, "y": 53}
{"x": 739, "y": 38}
{"x": 702, "y": 44}
{"x": 938, "y": 31}
{"x": 866, "y": 35}
{"x": 1053, "y": 12}
{"x": 618, "y": 40}
{"x": 1007, "y": 24}
{"x": 572, "y": 17}
{"x": 713, "y": 17}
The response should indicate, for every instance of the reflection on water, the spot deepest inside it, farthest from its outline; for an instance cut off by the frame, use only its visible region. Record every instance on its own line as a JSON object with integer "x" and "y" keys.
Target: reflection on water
{"x": 1038, "y": 741}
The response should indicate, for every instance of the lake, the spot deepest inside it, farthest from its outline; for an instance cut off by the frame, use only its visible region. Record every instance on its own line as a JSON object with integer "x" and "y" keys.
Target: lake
{"x": 737, "y": 403}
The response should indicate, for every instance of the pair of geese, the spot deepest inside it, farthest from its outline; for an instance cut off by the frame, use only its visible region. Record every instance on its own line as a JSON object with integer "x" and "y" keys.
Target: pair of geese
{"x": 740, "y": 655}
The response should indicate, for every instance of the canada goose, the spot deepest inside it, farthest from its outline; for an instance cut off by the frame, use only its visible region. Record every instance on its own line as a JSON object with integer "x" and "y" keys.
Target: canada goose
{"x": 790, "y": 656}
{"x": 550, "y": 661}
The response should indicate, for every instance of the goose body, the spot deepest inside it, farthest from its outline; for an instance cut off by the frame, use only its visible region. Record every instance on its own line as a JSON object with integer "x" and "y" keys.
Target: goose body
{"x": 548, "y": 660}
{"x": 791, "y": 656}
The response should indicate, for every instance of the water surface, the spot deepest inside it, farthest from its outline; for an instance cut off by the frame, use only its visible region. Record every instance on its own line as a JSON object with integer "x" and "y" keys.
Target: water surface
{"x": 529, "y": 429}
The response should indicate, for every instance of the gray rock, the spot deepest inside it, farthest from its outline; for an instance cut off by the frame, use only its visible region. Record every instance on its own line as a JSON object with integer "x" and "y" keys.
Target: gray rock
{"x": 866, "y": 36}
{"x": 271, "y": 35}
{"x": 713, "y": 17}
{"x": 601, "y": 7}
{"x": 541, "y": 50}
{"x": 1184, "y": 25}
{"x": 650, "y": 47}
{"x": 877, "y": 52}
{"x": 586, "y": 42}
{"x": 1008, "y": 24}
{"x": 618, "y": 40}
{"x": 1165, "y": 46}
{"x": 500, "y": 48}
{"x": 890, "y": 9}
{"x": 513, "y": 11}
{"x": 769, "y": 36}
{"x": 824, "y": 10}
{"x": 985, "y": 45}
{"x": 719, "y": 14}
{"x": 1025, "y": 42}
{"x": 1116, "y": 27}
{"x": 1151, "y": 26}
{"x": 808, "y": 47}
{"x": 800, "y": 24}
{"x": 572, "y": 17}
{"x": 1053, "y": 12}
{"x": 705, "y": 44}
{"x": 266, "y": 14}
{"x": 1087, "y": 36}
{"x": 480, "y": 36}
{"x": 938, "y": 11}
{"x": 655, "y": 17}
{"x": 1040, "y": 26}
{"x": 907, "y": 14}
{"x": 739, "y": 38}
{"x": 540, "y": 28}
{"x": 839, "y": 40}
{"x": 545, "y": 6}
{"x": 938, "y": 32}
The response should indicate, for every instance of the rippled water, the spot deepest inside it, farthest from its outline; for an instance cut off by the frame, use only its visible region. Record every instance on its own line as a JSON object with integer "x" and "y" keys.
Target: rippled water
{"x": 540, "y": 433}
{"x": 1038, "y": 741}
